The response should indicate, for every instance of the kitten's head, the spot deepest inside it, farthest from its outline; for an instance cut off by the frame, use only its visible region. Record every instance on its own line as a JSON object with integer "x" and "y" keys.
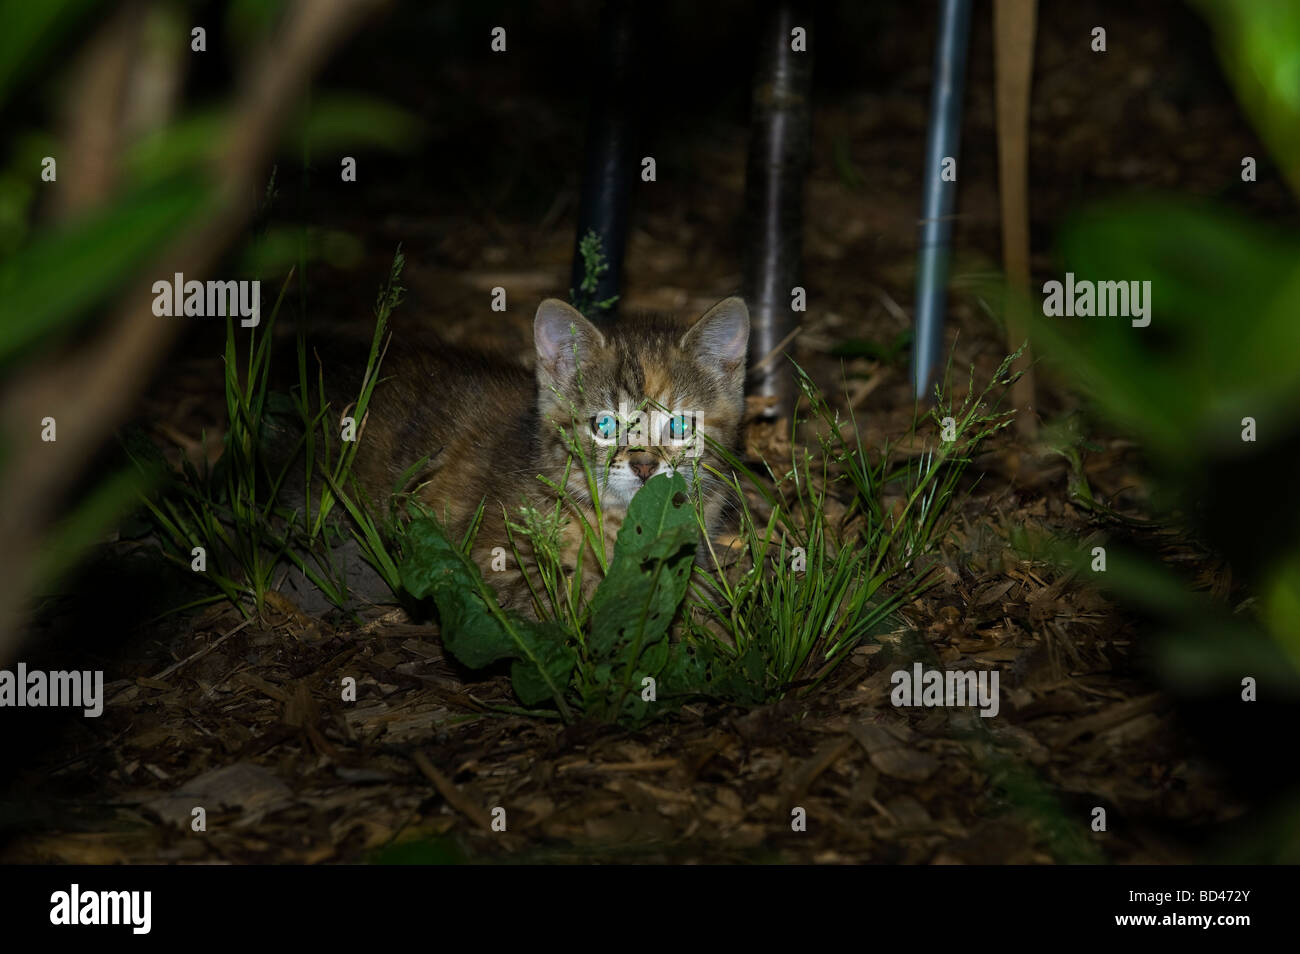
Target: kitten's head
{"x": 639, "y": 396}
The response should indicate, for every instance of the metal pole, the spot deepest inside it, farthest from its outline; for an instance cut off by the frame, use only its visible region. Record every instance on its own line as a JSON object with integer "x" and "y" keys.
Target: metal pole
{"x": 942, "y": 141}
{"x": 774, "y": 195}
{"x": 609, "y": 152}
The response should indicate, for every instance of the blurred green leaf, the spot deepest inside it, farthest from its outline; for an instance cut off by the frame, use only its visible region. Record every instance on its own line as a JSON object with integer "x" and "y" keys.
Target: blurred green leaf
{"x": 333, "y": 121}
{"x": 88, "y": 523}
{"x": 867, "y": 348}
{"x": 1259, "y": 44}
{"x": 1281, "y": 605}
{"x": 1200, "y": 643}
{"x": 19, "y": 184}
{"x": 37, "y": 297}
{"x": 276, "y": 251}
{"x": 1223, "y": 342}
{"x": 16, "y": 195}
{"x": 250, "y": 21}
{"x": 1129, "y": 576}
{"x": 337, "y": 120}
{"x": 1211, "y": 654}
{"x": 425, "y": 851}
{"x": 30, "y": 29}
{"x": 182, "y": 145}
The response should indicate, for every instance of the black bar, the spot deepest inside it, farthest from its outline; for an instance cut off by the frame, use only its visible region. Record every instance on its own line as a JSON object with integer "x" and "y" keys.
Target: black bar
{"x": 332, "y": 905}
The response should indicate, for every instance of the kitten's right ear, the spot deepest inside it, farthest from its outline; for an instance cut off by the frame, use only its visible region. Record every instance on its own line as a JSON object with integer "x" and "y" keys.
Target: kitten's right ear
{"x": 720, "y": 337}
{"x": 563, "y": 339}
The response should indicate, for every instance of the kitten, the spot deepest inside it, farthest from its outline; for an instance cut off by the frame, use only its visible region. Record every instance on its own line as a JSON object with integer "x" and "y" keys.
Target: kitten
{"x": 639, "y": 396}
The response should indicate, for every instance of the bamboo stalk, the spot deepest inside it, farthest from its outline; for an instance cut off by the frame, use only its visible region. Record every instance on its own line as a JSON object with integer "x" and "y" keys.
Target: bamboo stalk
{"x": 1014, "y": 25}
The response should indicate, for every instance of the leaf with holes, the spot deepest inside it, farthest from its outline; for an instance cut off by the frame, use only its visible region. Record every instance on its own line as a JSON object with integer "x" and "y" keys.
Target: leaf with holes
{"x": 635, "y": 603}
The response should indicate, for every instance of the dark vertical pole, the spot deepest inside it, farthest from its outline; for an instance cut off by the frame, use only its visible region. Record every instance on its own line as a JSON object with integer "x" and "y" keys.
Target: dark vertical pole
{"x": 942, "y": 141}
{"x": 774, "y": 194}
{"x": 610, "y": 160}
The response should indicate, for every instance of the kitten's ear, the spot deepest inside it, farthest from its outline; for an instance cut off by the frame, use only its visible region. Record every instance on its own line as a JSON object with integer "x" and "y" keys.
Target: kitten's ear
{"x": 721, "y": 336}
{"x": 558, "y": 330}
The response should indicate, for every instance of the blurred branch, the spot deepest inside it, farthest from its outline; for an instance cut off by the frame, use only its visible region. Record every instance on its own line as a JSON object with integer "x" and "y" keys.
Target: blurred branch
{"x": 93, "y": 137}
{"x": 155, "y": 83}
{"x": 91, "y": 390}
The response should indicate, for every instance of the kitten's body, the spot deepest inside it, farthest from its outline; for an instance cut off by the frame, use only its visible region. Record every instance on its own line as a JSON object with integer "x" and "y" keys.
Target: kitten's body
{"x": 473, "y": 415}
{"x": 494, "y": 432}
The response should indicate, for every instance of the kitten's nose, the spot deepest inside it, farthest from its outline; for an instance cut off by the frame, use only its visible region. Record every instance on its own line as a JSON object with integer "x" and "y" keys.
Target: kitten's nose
{"x": 643, "y": 465}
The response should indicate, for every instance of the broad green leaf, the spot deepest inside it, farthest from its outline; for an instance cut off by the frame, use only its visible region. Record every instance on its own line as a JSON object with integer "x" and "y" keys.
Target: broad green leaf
{"x": 636, "y": 601}
{"x": 471, "y": 630}
{"x": 435, "y": 567}
{"x": 687, "y": 669}
{"x": 553, "y": 657}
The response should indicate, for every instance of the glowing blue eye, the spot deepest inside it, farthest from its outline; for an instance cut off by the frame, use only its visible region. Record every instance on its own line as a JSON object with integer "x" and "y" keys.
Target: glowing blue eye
{"x": 677, "y": 427}
{"x": 604, "y": 425}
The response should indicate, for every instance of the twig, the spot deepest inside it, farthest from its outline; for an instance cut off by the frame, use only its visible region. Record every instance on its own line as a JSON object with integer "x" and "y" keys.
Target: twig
{"x": 202, "y": 651}
{"x": 454, "y": 796}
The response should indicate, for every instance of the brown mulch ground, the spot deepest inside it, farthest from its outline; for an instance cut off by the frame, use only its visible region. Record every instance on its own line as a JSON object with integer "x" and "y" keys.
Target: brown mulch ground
{"x": 245, "y": 716}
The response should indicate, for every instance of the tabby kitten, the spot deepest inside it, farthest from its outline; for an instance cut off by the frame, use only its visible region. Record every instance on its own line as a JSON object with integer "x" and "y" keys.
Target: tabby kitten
{"x": 639, "y": 397}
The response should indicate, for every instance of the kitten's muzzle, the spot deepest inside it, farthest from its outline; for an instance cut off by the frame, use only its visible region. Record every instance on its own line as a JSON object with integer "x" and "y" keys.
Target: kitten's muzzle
{"x": 642, "y": 464}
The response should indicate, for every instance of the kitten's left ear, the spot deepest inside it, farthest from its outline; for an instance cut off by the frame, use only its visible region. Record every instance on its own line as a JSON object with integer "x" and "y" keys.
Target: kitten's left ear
{"x": 721, "y": 336}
